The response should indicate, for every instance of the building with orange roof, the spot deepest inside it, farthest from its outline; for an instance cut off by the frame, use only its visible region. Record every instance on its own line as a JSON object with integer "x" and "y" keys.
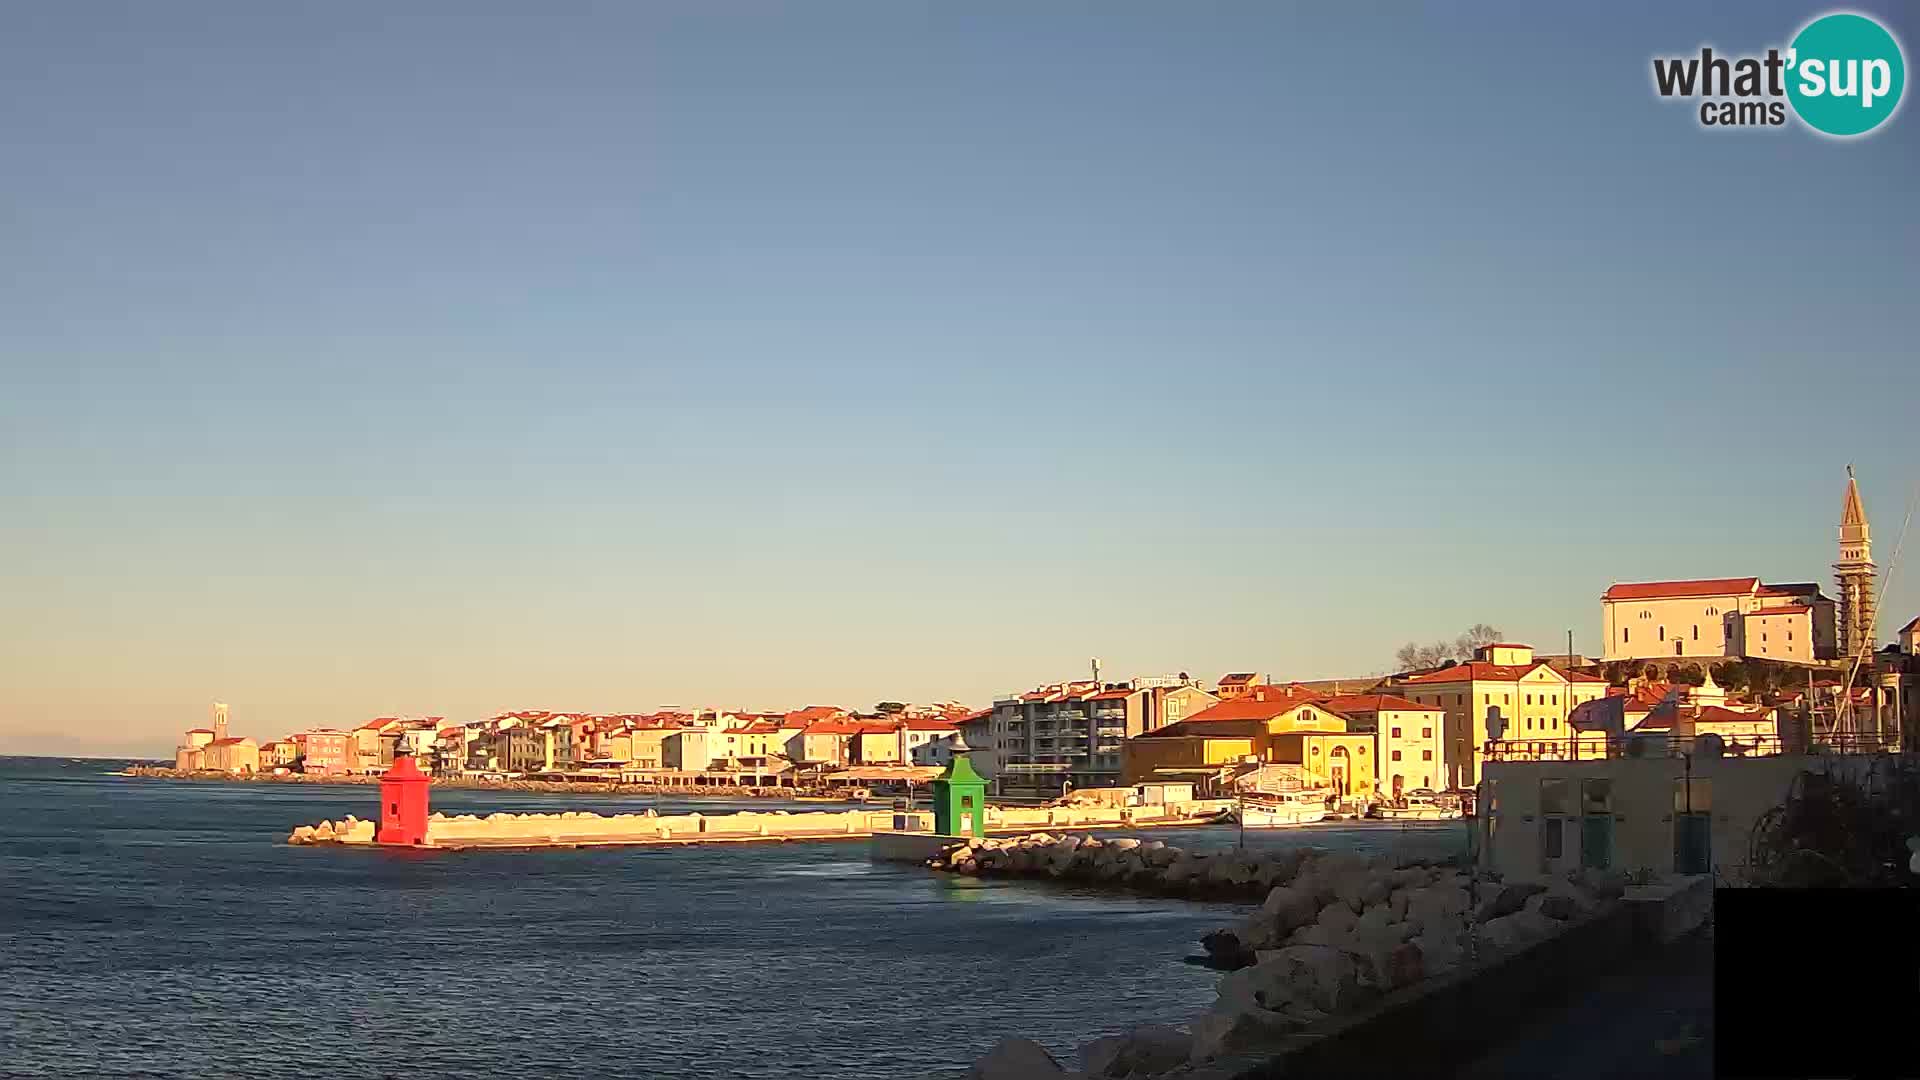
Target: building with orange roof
{"x": 1236, "y": 684}
{"x": 1709, "y": 617}
{"x": 235, "y": 756}
{"x": 1269, "y": 729}
{"x": 1409, "y": 738}
{"x": 1532, "y": 700}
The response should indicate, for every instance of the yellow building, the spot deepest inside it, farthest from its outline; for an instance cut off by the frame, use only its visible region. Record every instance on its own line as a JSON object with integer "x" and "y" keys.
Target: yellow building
{"x": 1409, "y": 739}
{"x": 1268, "y": 725}
{"x": 1534, "y": 700}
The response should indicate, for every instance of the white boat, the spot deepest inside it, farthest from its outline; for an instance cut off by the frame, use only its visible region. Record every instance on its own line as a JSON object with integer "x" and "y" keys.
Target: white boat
{"x": 1418, "y": 805}
{"x": 1282, "y": 810}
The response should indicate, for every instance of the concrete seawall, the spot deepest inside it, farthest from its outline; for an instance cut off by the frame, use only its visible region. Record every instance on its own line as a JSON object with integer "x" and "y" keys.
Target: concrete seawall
{"x": 570, "y": 829}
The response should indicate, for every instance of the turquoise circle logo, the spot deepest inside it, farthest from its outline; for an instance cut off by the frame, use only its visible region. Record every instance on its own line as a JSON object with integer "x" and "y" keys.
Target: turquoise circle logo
{"x": 1846, "y": 74}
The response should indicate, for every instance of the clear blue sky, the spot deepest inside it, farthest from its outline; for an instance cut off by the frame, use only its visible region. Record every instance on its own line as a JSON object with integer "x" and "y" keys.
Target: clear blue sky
{"x": 453, "y": 357}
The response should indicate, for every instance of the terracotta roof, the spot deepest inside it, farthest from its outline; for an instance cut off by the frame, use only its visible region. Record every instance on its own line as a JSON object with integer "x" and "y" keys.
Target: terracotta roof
{"x": 449, "y": 733}
{"x": 1714, "y": 714}
{"x": 227, "y": 742}
{"x": 1237, "y": 677}
{"x": 927, "y": 723}
{"x": 199, "y": 731}
{"x": 834, "y": 727}
{"x": 1111, "y": 695}
{"x": 1796, "y": 589}
{"x": 1791, "y": 609}
{"x": 1257, "y": 705}
{"x": 1668, "y": 590}
{"x": 1193, "y": 727}
{"x": 1482, "y": 671}
{"x": 1351, "y": 703}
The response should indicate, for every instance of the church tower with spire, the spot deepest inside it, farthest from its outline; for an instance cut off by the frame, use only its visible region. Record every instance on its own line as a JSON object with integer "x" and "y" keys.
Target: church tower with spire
{"x": 1854, "y": 574}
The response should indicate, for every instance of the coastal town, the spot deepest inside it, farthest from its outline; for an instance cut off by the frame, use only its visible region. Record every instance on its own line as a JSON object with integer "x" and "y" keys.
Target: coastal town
{"x": 1756, "y": 668}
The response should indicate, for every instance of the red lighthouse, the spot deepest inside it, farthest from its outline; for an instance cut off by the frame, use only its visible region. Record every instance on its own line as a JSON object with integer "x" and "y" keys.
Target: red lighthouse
{"x": 403, "y": 804}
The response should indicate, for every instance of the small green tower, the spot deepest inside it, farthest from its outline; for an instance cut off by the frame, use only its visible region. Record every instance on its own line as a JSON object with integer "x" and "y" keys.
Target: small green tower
{"x": 960, "y": 798}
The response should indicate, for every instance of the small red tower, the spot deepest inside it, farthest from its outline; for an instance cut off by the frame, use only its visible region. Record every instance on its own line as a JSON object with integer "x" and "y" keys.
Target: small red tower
{"x": 403, "y": 804}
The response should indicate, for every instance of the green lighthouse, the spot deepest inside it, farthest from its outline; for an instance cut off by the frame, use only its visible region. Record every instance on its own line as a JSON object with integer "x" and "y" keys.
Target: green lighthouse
{"x": 960, "y": 797}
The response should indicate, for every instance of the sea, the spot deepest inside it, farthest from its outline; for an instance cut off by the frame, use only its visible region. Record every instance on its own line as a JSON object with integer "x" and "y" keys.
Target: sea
{"x": 164, "y": 928}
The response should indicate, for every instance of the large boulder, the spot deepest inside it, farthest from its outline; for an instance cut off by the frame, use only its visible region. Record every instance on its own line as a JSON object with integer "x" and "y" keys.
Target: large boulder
{"x": 1405, "y": 965}
{"x": 1518, "y": 930}
{"x": 1226, "y": 951}
{"x": 1497, "y": 901}
{"x": 1271, "y": 984}
{"x": 1258, "y": 931}
{"x": 1124, "y": 843}
{"x": 1436, "y": 906}
{"x": 1440, "y": 951}
{"x": 1290, "y": 907}
{"x": 1227, "y": 1032}
{"x": 1016, "y": 1059}
{"x": 1322, "y": 977}
{"x": 1337, "y": 916}
{"x": 1144, "y": 1051}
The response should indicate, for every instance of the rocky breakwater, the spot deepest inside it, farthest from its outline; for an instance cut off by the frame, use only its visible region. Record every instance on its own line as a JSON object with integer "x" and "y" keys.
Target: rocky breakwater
{"x": 1335, "y": 932}
{"x": 584, "y": 827}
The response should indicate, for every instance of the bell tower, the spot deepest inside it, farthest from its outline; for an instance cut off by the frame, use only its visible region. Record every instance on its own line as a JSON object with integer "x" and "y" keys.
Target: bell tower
{"x": 1854, "y": 574}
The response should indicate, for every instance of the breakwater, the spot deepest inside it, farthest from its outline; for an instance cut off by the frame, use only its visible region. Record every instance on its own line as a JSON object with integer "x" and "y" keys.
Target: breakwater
{"x": 507, "y": 830}
{"x": 1335, "y": 933}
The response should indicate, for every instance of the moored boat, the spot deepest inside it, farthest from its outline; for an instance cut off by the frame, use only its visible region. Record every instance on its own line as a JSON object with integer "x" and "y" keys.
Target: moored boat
{"x": 1282, "y": 810}
{"x": 1417, "y": 805}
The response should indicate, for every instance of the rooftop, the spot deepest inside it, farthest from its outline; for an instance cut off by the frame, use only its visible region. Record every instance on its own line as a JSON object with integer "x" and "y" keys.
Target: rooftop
{"x": 1670, "y": 590}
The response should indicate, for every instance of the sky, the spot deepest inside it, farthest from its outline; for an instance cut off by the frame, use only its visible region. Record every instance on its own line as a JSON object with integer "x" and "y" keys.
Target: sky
{"x": 445, "y": 358}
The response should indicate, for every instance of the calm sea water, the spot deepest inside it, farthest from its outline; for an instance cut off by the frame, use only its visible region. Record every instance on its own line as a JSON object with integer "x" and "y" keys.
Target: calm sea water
{"x": 158, "y": 928}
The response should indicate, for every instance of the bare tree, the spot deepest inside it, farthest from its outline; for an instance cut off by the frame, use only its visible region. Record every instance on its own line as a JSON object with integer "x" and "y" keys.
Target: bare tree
{"x": 1477, "y": 635}
{"x": 1413, "y": 656}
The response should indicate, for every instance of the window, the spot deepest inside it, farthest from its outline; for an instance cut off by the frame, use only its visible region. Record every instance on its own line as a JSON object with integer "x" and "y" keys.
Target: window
{"x": 1679, "y": 648}
{"x": 1316, "y": 750}
{"x": 1396, "y": 755}
{"x": 1529, "y": 699}
{"x": 1396, "y": 733}
{"x": 1596, "y": 796}
{"x": 1426, "y": 733}
{"x": 1696, "y": 631}
{"x": 1556, "y": 699}
{"x": 1625, "y": 635}
{"x": 1694, "y": 796}
{"x": 1363, "y": 751}
{"x": 1663, "y": 633}
{"x": 1529, "y": 723}
{"x": 1426, "y": 755}
{"x": 1553, "y": 796}
{"x": 1426, "y": 781}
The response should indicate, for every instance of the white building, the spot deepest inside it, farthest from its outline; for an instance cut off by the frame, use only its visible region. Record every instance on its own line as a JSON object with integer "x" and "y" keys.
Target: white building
{"x": 1717, "y": 617}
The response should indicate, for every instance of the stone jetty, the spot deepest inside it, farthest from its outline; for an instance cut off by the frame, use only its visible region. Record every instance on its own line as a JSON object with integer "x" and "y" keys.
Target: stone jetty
{"x": 575, "y": 828}
{"x": 1334, "y": 933}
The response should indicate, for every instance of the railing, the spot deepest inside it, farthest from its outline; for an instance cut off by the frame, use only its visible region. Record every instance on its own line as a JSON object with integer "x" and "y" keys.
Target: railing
{"x": 1674, "y": 746}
